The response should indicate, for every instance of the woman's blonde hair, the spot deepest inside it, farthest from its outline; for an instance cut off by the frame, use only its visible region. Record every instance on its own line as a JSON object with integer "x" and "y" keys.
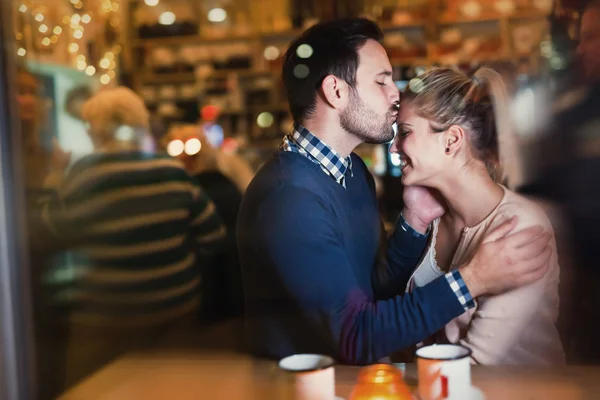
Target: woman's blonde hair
{"x": 110, "y": 109}
{"x": 479, "y": 104}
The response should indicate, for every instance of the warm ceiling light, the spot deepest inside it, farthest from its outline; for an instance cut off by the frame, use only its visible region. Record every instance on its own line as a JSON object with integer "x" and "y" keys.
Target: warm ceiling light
{"x": 166, "y": 18}
{"x": 271, "y": 53}
{"x": 217, "y": 15}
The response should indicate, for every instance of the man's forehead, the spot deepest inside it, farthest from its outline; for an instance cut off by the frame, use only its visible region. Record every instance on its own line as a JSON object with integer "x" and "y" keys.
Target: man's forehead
{"x": 373, "y": 58}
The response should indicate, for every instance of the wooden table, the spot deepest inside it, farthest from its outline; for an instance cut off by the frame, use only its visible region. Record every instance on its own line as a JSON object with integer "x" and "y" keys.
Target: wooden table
{"x": 181, "y": 375}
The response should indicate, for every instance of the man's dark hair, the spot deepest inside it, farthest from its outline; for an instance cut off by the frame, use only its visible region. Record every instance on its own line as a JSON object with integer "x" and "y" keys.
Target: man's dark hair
{"x": 334, "y": 46}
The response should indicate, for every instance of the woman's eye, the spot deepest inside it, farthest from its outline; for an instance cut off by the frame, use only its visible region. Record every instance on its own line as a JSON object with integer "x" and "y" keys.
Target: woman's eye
{"x": 381, "y": 83}
{"x": 404, "y": 133}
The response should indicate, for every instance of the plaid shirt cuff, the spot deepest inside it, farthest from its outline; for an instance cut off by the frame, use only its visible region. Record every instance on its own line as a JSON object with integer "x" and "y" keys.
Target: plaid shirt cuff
{"x": 459, "y": 288}
{"x": 407, "y": 228}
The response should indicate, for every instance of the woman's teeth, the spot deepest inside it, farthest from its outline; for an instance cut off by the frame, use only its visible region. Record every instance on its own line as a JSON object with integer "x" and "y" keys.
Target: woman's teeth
{"x": 403, "y": 162}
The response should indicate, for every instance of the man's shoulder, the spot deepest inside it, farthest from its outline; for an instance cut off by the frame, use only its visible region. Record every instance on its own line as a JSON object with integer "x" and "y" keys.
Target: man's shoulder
{"x": 290, "y": 171}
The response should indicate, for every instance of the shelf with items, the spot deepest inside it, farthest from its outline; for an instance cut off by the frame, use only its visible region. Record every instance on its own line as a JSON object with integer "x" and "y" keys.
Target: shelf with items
{"x": 460, "y": 11}
{"x": 215, "y": 65}
{"x": 530, "y": 15}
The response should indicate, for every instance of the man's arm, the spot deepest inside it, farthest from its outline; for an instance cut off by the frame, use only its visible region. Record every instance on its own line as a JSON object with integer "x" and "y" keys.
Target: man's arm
{"x": 406, "y": 245}
{"x": 399, "y": 256}
{"x": 304, "y": 251}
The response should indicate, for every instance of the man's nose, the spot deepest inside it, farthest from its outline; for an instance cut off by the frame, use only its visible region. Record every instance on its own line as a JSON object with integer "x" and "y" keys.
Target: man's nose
{"x": 394, "y": 96}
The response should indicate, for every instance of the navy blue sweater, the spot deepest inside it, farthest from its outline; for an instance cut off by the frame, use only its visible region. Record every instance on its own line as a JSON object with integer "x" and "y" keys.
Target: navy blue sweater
{"x": 316, "y": 279}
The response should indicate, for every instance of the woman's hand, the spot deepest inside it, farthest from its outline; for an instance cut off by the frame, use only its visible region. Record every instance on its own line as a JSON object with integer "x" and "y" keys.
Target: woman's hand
{"x": 421, "y": 206}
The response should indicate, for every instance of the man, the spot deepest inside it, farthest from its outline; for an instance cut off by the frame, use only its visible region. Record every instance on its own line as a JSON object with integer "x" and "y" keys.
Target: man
{"x": 309, "y": 229}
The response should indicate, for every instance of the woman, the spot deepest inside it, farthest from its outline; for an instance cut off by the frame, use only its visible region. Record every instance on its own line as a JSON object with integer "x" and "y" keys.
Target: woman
{"x": 450, "y": 140}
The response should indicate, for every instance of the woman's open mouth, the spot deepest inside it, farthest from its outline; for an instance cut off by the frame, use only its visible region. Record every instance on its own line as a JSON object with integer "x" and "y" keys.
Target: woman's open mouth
{"x": 404, "y": 161}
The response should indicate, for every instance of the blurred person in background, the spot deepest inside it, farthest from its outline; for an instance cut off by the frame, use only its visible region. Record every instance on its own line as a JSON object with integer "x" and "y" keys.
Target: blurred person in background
{"x": 588, "y": 50}
{"x": 452, "y": 136}
{"x": 231, "y": 164}
{"x": 204, "y": 166}
{"x": 37, "y": 159}
{"x": 141, "y": 233}
{"x": 569, "y": 176}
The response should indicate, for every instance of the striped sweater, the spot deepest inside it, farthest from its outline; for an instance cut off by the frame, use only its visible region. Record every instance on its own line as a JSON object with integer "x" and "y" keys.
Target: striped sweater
{"x": 141, "y": 230}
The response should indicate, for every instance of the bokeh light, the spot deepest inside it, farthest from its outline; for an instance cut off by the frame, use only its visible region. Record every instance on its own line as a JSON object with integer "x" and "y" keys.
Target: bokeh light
{"x": 271, "y": 53}
{"x": 304, "y": 51}
{"x": 265, "y": 119}
{"x": 192, "y": 146}
{"x": 301, "y": 71}
{"x": 175, "y": 148}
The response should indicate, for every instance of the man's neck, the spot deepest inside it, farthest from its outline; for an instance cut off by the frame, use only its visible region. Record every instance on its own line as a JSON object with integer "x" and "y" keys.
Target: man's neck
{"x": 333, "y": 135}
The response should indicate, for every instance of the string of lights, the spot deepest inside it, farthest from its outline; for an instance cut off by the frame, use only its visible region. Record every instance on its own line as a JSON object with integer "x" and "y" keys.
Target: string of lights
{"x": 41, "y": 28}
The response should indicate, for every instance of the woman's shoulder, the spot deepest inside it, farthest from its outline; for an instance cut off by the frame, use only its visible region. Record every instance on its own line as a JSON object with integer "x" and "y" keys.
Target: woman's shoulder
{"x": 529, "y": 211}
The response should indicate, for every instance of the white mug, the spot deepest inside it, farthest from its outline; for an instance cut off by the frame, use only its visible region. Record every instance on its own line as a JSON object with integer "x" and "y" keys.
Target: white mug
{"x": 444, "y": 372}
{"x": 308, "y": 377}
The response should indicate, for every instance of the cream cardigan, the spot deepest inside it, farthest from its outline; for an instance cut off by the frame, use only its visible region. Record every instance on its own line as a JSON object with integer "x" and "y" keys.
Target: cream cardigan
{"x": 517, "y": 327}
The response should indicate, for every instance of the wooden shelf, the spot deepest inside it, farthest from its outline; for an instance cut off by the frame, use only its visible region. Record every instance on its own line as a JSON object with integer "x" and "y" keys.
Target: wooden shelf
{"x": 189, "y": 77}
{"x": 264, "y": 36}
{"x": 191, "y": 40}
{"x": 445, "y": 20}
{"x": 389, "y": 26}
{"x": 172, "y": 78}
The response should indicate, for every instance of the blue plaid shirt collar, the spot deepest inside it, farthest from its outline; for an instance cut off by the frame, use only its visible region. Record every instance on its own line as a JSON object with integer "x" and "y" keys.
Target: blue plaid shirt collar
{"x": 301, "y": 141}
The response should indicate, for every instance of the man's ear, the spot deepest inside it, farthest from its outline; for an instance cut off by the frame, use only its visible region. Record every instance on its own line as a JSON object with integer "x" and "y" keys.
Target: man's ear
{"x": 335, "y": 91}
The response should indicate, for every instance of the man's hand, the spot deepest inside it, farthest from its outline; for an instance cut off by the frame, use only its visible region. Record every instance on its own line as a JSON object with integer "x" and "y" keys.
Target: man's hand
{"x": 421, "y": 206}
{"x": 505, "y": 262}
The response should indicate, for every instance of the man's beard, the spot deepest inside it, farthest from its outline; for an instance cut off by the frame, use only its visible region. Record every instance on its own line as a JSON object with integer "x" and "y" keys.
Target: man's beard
{"x": 363, "y": 122}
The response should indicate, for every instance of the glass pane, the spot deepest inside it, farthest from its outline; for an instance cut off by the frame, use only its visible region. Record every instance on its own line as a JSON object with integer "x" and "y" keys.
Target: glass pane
{"x": 141, "y": 123}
